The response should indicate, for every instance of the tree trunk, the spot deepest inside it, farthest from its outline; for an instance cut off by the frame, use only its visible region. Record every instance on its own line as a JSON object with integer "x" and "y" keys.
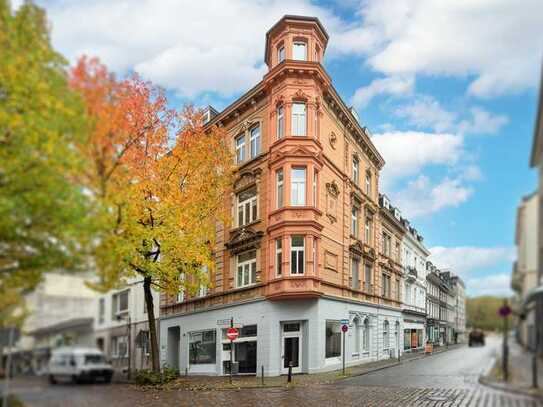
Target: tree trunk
{"x": 152, "y": 323}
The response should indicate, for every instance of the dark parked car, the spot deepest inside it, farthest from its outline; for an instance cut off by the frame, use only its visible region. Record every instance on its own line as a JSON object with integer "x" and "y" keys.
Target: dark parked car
{"x": 476, "y": 336}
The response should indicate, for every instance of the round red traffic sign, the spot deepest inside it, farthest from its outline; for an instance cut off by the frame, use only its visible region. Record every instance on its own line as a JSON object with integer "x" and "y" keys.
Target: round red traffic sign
{"x": 232, "y": 333}
{"x": 505, "y": 310}
{"x": 344, "y": 328}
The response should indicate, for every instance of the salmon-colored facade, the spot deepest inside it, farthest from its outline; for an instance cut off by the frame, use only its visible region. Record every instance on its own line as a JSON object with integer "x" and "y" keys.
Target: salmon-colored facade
{"x": 307, "y": 222}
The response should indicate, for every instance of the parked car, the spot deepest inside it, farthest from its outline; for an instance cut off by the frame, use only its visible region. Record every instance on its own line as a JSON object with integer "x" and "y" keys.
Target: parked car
{"x": 476, "y": 336}
{"x": 78, "y": 365}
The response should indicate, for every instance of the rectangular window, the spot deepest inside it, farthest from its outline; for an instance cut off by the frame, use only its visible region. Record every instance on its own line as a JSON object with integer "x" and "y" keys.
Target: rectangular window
{"x": 355, "y": 265}
{"x": 281, "y": 54}
{"x": 279, "y": 256}
{"x": 247, "y": 208}
{"x": 297, "y": 182}
{"x": 356, "y": 170}
{"x": 385, "y": 287}
{"x": 354, "y": 221}
{"x": 368, "y": 184}
{"x": 246, "y": 269}
{"x": 202, "y": 347}
{"x": 101, "y": 310}
{"x": 298, "y": 119}
{"x": 398, "y": 252}
{"x": 240, "y": 148}
{"x": 368, "y": 271}
{"x": 181, "y": 292}
{"x": 297, "y": 261}
{"x": 280, "y": 122}
{"x": 315, "y": 184}
{"x": 279, "y": 177}
{"x": 119, "y": 346}
{"x": 119, "y": 303}
{"x": 299, "y": 51}
{"x": 255, "y": 141}
{"x": 333, "y": 339}
{"x": 398, "y": 290}
{"x": 368, "y": 230}
{"x": 386, "y": 244}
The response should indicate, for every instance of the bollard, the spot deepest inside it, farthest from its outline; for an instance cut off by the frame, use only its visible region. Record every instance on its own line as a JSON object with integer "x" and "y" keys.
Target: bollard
{"x": 262, "y": 375}
{"x": 289, "y": 377}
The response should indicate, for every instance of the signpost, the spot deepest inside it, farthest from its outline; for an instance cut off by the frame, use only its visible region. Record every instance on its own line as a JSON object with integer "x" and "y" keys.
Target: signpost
{"x": 505, "y": 311}
{"x": 232, "y": 334}
{"x": 344, "y": 329}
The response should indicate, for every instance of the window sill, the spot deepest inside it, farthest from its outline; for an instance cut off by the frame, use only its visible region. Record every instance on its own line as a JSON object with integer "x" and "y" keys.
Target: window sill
{"x": 253, "y": 223}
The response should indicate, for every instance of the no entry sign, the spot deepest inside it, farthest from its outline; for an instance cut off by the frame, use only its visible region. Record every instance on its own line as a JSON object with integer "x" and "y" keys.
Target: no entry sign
{"x": 344, "y": 328}
{"x": 504, "y": 311}
{"x": 232, "y": 334}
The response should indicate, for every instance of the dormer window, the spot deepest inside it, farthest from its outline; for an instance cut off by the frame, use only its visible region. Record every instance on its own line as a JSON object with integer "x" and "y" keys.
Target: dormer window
{"x": 299, "y": 51}
{"x": 280, "y": 54}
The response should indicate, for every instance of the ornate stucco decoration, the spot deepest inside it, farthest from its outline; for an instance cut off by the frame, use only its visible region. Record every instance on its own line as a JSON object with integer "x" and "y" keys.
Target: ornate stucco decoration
{"x": 245, "y": 179}
{"x": 300, "y": 94}
{"x": 332, "y": 189}
{"x": 332, "y": 193}
{"x": 244, "y": 239}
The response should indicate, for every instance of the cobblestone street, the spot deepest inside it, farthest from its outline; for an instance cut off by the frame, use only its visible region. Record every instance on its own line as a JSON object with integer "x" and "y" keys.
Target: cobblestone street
{"x": 445, "y": 379}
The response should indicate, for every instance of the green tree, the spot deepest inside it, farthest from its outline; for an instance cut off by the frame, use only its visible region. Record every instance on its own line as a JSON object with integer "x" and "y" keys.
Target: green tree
{"x": 41, "y": 119}
{"x": 482, "y": 313}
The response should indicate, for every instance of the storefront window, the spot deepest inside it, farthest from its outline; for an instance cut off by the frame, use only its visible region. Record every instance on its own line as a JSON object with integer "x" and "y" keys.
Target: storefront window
{"x": 333, "y": 339}
{"x": 202, "y": 347}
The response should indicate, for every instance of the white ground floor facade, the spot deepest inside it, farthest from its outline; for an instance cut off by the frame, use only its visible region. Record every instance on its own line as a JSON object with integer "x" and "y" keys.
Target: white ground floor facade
{"x": 414, "y": 332}
{"x": 306, "y": 333}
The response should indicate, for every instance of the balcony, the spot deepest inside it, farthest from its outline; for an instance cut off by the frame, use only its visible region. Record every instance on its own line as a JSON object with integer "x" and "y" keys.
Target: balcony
{"x": 299, "y": 287}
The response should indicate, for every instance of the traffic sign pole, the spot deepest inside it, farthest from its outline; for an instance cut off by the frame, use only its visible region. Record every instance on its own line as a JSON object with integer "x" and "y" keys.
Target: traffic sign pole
{"x": 344, "y": 329}
{"x": 231, "y": 350}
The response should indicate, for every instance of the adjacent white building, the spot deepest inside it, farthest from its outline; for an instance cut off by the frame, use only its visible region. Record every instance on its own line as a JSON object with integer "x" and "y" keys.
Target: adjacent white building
{"x": 414, "y": 260}
{"x": 121, "y": 325}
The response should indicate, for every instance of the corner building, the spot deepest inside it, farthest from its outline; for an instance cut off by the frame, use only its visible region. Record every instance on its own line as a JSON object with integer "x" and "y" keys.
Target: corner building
{"x": 303, "y": 251}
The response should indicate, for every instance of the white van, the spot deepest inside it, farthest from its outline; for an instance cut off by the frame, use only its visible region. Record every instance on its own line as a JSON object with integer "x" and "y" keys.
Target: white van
{"x": 78, "y": 365}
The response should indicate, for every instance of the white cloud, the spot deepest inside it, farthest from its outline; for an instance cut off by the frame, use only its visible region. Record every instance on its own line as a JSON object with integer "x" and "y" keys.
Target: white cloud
{"x": 426, "y": 112}
{"x": 394, "y": 85}
{"x": 420, "y": 197}
{"x": 482, "y": 122}
{"x": 498, "y": 284}
{"x": 191, "y": 47}
{"x": 407, "y": 153}
{"x": 497, "y": 42}
{"x": 464, "y": 260}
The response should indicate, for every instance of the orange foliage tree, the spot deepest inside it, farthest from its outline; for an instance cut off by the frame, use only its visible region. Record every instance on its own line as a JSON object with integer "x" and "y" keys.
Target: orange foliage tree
{"x": 157, "y": 201}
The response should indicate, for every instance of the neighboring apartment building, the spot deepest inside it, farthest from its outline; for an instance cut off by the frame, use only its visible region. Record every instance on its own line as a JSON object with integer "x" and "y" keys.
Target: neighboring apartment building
{"x": 434, "y": 325}
{"x": 414, "y": 258}
{"x": 525, "y": 270}
{"x": 536, "y": 161}
{"x": 310, "y": 244}
{"x": 447, "y": 304}
{"x": 459, "y": 290}
{"x": 60, "y": 313}
{"x": 121, "y": 326}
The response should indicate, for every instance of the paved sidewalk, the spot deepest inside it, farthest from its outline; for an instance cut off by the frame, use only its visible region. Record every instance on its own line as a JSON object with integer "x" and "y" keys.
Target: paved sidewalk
{"x": 252, "y": 382}
{"x": 520, "y": 372}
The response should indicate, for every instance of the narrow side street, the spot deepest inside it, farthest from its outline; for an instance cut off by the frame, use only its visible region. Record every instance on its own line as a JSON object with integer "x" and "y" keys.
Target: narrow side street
{"x": 445, "y": 379}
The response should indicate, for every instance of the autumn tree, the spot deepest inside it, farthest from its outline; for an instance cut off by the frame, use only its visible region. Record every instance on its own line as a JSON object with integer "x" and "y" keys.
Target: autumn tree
{"x": 42, "y": 207}
{"x": 159, "y": 202}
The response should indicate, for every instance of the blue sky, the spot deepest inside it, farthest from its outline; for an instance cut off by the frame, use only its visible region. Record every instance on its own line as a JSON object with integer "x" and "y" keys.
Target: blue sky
{"x": 448, "y": 89}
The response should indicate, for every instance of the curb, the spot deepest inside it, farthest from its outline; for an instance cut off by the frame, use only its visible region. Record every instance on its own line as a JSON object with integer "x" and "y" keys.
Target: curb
{"x": 485, "y": 381}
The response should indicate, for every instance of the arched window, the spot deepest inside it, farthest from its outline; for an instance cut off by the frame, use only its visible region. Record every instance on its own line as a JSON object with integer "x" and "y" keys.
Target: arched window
{"x": 356, "y": 324}
{"x": 366, "y": 336}
{"x": 386, "y": 335}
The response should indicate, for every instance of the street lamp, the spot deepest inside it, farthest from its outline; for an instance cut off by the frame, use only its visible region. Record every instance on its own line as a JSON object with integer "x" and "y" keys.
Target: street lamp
{"x": 129, "y": 321}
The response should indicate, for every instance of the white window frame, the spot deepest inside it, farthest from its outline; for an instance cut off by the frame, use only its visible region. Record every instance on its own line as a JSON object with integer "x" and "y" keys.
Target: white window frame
{"x": 298, "y": 186}
{"x": 181, "y": 292}
{"x": 281, "y": 55}
{"x": 366, "y": 335}
{"x": 250, "y": 204}
{"x": 315, "y": 185}
{"x": 255, "y": 141}
{"x": 386, "y": 335}
{"x": 240, "y": 148}
{"x": 279, "y": 256}
{"x": 356, "y": 170}
{"x": 295, "y": 253}
{"x": 299, "y": 119}
{"x": 280, "y": 121}
{"x": 296, "y": 46}
{"x": 280, "y": 187}
{"x": 117, "y": 303}
{"x": 245, "y": 269}
{"x": 355, "y": 273}
{"x": 367, "y": 230}
{"x": 354, "y": 221}
{"x": 368, "y": 183}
